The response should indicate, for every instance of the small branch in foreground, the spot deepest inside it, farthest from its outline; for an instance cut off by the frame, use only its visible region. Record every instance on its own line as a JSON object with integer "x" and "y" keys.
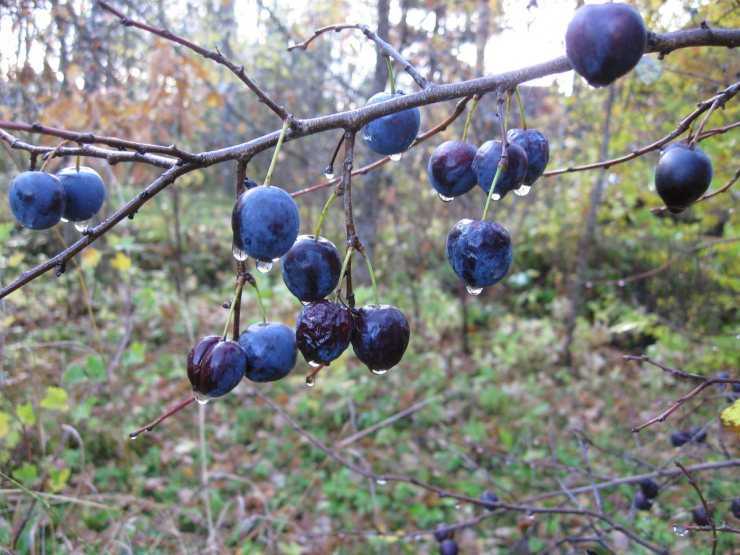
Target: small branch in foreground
{"x": 704, "y": 504}
{"x": 383, "y": 46}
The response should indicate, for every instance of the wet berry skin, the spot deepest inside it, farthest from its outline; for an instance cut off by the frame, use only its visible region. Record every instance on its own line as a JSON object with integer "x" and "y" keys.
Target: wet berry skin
{"x": 701, "y": 516}
{"x": 649, "y": 488}
{"x": 270, "y": 350}
{"x": 642, "y": 502}
{"x": 311, "y": 268}
{"x": 682, "y": 176}
{"x": 36, "y": 199}
{"x": 490, "y": 499}
{"x": 486, "y": 161}
{"x": 392, "y": 133}
{"x": 265, "y": 222}
{"x": 537, "y": 147}
{"x": 450, "y": 168}
{"x": 735, "y": 507}
{"x": 215, "y": 366}
{"x": 323, "y": 331}
{"x": 605, "y": 41}
{"x": 380, "y": 336}
{"x": 448, "y": 547}
{"x": 680, "y": 438}
{"x": 479, "y": 252}
{"x": 84, "y": 193}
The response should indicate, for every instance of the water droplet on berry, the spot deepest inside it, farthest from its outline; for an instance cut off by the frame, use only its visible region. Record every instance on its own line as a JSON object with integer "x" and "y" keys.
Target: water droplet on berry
{"x": 396, "y": 157}
{"x": 378, "y": 371}
{"x": 64, "y": 220}
{"x": 620, "y": 283}
{"x": 474, "y": 290}
{"x": 381, "y": 482}
{"x": 495, "y": 196}
{"x": 81, "y": 226}
{"x": 314, "y": 364}
{"x": 238, "y": 254}
{"x": 305, "y": 303}
{"x": 522, "y": 191}
{"x": 680, "y": 531}
{"x": 444, "y": 198}
{"x": 310, "y": 381}
{"x": 264, "y": 266}
{"x": 201, "y": 398}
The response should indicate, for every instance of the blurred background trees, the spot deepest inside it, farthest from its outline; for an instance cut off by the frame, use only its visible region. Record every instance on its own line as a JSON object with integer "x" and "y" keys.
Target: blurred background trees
{"x": 516, "y": 380}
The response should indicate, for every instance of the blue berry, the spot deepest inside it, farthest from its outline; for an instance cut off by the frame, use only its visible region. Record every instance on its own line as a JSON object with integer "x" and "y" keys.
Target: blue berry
{"x": 84, "y": 192}
{"x": 36, "y": 199}
{"x": 682, "y": 176}
{"x": 537, "y": 147}
{"x": 215, "y": 366}
{"x": 380, "y": 336}
{"x": 450, "y": 168}
{"x": 486, "y": 162}
{"x": 392, "y": 133}
{"x": 311, "y": 268}
{"x": 479, "y": 252}
{"x": 270, "y": 349}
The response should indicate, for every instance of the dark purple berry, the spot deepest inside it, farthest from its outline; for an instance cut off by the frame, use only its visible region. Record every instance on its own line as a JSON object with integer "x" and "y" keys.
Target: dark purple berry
{"x": 735, "y": 507}
{"x": 649, "y": 488}
{"x": 701, "y": 516}
{"x": 486, "y": 162}
{"x": 680, "y": 438}
{"x": 448, "y": 547}
{"x": 380, "y": 336}
{"x": 698, "y": 434}
{"x": 605, "y": 41}
{"x": 443, "y": 532}
{"x": 490, "y": 499}
{"x": 537, "y": 147}
{"x": 311, "y": 268}
{"x": 215, "y": 366}
{"x": 682, "y": 176}
{"x": 479, "y": 252}
{"x": 641, "y": 501}
{"x": 450, "y": 168}
{"x": 323, "y": 331}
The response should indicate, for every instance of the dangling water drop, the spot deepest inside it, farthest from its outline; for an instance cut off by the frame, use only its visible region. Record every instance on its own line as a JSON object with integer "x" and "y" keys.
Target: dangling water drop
{"x": 396, "y": 157}
{"x": 444, "y": 198}
{"x": 64, "y": 220}
{"x": 238, "y": 254}
{"x": 305, "y": 303}
{"x": 314, "y": 364}
{"x": 264, "y": 266}
{"x": 680, "y": 531}
{"x": 620, "y": 283}
{"x": 378, "y": 371}
{"x": 381, "y": 482}
{"x": 81, "y": 226}
{"x": 310, "y": 381}
{"x": 495, "y": 196}
{"x": 522, "y": 191}
{"x": 201, "y": 398}
{"x": 474, "y": 290}
{"x": 329, "y": 173}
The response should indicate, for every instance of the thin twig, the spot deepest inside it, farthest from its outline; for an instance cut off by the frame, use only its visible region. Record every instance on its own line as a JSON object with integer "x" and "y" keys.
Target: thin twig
{"x": 704, "y": 504}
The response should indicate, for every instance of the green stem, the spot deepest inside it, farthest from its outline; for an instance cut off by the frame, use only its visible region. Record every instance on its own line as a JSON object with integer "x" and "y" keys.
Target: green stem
{"x": 344, "y": 267}
{"x": 505, "y": 128}
{"x": 279, "y": 145}
{"x": 239, "y": 287}
{"x": 391, "y": 76}
{"x": 263, "y": 312}
{"x": 490, "y": 191}
{"x": 324, "y": 211}
{"x": 372, "y": 276}
{"x": 522, "y": 117}
{"x": 469, "y": 118}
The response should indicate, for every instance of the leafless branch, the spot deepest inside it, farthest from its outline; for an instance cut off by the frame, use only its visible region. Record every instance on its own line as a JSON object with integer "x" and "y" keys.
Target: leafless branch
{"x": 704, "y": 504}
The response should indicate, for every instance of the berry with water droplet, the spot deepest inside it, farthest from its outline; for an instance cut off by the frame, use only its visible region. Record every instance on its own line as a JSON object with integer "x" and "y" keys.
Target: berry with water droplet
{"x": 270, "y": 350}
{"x": 392, "y": 133}
{"x": 380, "y": 336}
{"x": 84, "y": 193}
{"x": 537, "y": 147}
{"x": 265, "y": 222}
{"x": 311, "y": 268}
{"x": 264, "y": 266}
{"x": 450, "y": 169}
{"x": 36, "y": 199}
{"x": 479, "y": 252}
{"x": 215, "y": 366}
{"x": 323, "y": 331}
{"x": 486, "y": 163}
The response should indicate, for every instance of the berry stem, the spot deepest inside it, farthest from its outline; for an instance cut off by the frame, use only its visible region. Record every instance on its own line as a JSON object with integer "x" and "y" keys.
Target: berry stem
{"x": 345, "y": 262}
{"x": 154, "y": 423}
{"x": 499, "y": 169}
{"x": 391, "y": 75}
{"x": 469, "y": 118}
{"x": 234, "y": 302}
{"x": 372, "y": 275}
{"x": 324, "y": 211}
{"x": 275, "y": 153}
{"x": 53, "y": 153}
{"x": 263, "y": 312}
{"x": 522, "y": 117}
{"x": 77, "y": 163}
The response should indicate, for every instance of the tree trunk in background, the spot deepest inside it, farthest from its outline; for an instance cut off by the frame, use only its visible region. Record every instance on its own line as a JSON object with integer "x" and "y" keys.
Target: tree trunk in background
{"x": 587, "y": 238}
{"x": 481, "y": 35}
{"x": 368, "y": 195}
